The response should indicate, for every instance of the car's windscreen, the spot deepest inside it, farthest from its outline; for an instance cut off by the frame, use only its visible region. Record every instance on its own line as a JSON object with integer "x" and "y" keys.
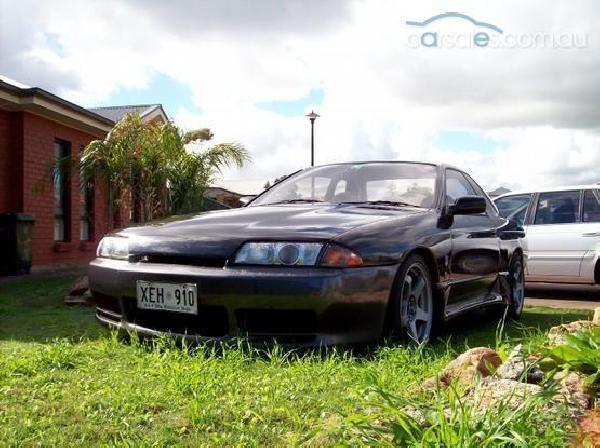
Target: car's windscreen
{"x": 399, "y": 184}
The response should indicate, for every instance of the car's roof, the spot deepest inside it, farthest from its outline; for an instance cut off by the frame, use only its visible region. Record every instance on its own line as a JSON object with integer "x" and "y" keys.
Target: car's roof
{"x": 416, "y": 162}
{"x": 550, "y": 190}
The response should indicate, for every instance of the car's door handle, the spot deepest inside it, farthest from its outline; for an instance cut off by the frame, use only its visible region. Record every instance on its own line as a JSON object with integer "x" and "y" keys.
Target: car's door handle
{"x": 591, "y": 234}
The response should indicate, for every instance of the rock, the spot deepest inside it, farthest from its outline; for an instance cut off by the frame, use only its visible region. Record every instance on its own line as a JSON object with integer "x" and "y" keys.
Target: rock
{"x": 80, "y": 286}
{"x": 477, "y": 362}
{"x": 430, "y": 383}
{"x": 86, "y": 299}
{"x": 492, "y": 391}
{"x": 588, "y": 433}
{"x": 415, "y": 414}
{"x": 596, "y": 319}
{"x": 556, "y": 335}
{"x": 572, "y": 392}
{"x": 517, "y": 369}
{"x": 79, "y": 294}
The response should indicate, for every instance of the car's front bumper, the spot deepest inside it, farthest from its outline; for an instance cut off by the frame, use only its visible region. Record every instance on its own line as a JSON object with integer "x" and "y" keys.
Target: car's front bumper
{"x": 312, "y": 306}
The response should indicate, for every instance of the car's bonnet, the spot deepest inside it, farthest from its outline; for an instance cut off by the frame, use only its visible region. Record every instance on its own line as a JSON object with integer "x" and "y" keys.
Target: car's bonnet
{"x": 222, "y": 232}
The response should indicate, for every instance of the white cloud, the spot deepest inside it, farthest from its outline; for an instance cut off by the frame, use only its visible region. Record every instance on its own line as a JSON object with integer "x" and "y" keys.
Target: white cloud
{"x": 382, "y": 99}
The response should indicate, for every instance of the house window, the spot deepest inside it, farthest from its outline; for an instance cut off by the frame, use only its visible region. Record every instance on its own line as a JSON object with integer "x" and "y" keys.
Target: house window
{"x": 62, "y": 190}
{"x": 86, "y": 201}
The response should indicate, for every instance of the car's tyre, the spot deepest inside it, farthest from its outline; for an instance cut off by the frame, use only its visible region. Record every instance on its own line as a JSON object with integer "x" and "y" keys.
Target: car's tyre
{"x": 516, "y": 281}
{"x": 412, "y": 308}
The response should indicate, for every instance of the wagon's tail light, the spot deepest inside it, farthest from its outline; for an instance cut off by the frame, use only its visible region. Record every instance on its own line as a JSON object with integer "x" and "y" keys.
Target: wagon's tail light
{"x": 340, "y": 257}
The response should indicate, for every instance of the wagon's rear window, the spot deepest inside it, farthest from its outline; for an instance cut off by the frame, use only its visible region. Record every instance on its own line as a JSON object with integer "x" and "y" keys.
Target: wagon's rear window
{"x": 408, "y": 183}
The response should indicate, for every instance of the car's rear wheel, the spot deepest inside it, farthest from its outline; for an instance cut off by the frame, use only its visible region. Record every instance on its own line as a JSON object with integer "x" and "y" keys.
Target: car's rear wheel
{"x": 412, "y": 307}
{"x": 517, "y": 287}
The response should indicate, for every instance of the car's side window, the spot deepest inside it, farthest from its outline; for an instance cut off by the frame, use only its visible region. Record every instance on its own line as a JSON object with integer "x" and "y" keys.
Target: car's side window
{"x": 457, "y": 186}
{"x": 514, "y": 207}
{"x": 340, "y": 187}
{"x": 591, "y": 206}
{"x": 490, "y": 208}
{"x": 559, "y": 207}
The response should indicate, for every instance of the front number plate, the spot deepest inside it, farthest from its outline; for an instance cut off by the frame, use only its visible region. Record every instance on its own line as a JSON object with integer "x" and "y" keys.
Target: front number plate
{"x": 178, "y": 297}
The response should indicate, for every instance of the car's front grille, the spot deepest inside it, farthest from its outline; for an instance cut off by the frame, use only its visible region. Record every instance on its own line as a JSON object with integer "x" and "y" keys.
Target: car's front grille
{"x": 277, "y": 322}
{"x": 211, "y": 321}
{"x": 202, "y": 261}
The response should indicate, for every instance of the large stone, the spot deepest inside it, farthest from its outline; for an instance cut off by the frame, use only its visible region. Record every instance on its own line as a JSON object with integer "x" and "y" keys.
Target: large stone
{"x": 572, "y": 392}
{"x": 80, "y": 286}
{"x": 589, "y": 429}
{"x": 475, "y": 363}
{"x": 596, "y": 320}
{"x": 518, "y": 369}
{"x": 556, "y": 335}
{"x": 79, "y": 293}
{"x": 492, "y": 392}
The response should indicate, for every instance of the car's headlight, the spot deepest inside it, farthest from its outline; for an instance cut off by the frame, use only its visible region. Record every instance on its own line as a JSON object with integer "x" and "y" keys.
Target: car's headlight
{"x": 279, "y": 253}
{"x": 113, "y": 247}
{"x": 289, "y": 253}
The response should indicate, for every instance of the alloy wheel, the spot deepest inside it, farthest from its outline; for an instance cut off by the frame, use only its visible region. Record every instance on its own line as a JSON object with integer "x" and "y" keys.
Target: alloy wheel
{"x": 518, "y": 287}
{"x": 417, "y": 303}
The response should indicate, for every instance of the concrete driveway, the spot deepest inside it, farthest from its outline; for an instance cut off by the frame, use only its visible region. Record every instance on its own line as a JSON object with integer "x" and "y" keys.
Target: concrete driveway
{"x": 563, "y": 296}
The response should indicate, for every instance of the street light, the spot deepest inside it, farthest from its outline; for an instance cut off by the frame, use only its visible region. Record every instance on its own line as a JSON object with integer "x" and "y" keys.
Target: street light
{"x": 312, "y": 116}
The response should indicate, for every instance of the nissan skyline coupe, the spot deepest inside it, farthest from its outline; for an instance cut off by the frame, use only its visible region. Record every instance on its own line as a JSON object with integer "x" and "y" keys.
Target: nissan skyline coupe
{"x": 335, "y": 254}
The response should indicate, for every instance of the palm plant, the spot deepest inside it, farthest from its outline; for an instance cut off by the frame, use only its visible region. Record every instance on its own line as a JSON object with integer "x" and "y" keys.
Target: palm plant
{"x": 193, "y": 171}
{"x": 150, "y": 162}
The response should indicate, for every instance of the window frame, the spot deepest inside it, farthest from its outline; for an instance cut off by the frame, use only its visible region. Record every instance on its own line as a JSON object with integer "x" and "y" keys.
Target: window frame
{"x": 62, "y": 208}
{"x": 596, "y": 193}
{"x": 535, "y": 210}
{"x": 86, "y": 204}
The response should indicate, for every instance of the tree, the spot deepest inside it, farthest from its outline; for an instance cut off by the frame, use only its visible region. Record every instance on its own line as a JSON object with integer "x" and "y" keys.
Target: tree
{"x": 150, "y": 162}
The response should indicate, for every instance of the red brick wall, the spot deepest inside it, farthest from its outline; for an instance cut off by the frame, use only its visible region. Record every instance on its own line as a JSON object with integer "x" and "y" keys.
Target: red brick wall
{"x": 38, "y": 139}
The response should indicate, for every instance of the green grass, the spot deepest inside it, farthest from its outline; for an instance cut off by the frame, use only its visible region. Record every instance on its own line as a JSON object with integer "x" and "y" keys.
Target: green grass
{"x": 66, "y": 381}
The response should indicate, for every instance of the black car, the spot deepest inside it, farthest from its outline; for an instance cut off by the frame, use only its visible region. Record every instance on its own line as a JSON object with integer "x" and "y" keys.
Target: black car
{"x": 340, "y": 253}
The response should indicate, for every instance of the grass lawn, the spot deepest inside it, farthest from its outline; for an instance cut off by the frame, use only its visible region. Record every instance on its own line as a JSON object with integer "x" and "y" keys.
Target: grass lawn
{"x": 66, "y": 381}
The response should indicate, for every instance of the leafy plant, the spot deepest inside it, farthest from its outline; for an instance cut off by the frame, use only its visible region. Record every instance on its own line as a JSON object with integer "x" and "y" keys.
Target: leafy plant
{"x": 581, "y": 352}
{"x": 164, "y": 170}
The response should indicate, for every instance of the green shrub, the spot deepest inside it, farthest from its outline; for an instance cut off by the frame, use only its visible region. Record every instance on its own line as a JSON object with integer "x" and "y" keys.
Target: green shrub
{"x": 580, "y": 352}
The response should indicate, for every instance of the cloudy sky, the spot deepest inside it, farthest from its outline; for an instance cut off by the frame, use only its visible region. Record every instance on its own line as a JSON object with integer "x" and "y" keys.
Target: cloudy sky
{"x": 522, "y": 111}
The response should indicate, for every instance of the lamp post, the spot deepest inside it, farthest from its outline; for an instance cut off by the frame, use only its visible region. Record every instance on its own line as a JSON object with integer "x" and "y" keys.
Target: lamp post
{"x": 312, "y": 116}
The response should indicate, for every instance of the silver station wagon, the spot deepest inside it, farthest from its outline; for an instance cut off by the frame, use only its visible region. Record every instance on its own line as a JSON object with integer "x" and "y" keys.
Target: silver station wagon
{"x": 562, "y": 227}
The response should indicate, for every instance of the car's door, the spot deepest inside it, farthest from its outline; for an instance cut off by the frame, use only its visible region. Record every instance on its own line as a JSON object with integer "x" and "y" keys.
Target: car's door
{"x": 475, "y": 252}
{"x": 590, "y": 233}
{"x": 554, "y": 237}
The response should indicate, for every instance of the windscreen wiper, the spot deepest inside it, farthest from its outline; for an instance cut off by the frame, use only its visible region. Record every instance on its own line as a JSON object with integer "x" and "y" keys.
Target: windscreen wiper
{"x": 381, "y": 202}
{"x": 297, "y": 200}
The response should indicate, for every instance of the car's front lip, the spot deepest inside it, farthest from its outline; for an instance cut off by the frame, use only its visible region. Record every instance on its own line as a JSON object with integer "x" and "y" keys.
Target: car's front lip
{"x": 349, "y": 304}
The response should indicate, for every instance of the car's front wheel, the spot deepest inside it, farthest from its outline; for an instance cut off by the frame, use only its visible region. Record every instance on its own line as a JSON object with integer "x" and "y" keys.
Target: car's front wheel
{"x": 517, "y": 287}
{"x": 412, "y": 307}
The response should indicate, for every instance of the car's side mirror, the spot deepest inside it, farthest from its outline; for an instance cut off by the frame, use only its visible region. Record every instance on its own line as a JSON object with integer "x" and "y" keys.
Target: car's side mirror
{"x": 468, "y": 205}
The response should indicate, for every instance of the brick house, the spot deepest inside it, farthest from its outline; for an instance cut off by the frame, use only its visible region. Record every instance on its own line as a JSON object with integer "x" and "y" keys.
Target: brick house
{"x": 35, "y": 128}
